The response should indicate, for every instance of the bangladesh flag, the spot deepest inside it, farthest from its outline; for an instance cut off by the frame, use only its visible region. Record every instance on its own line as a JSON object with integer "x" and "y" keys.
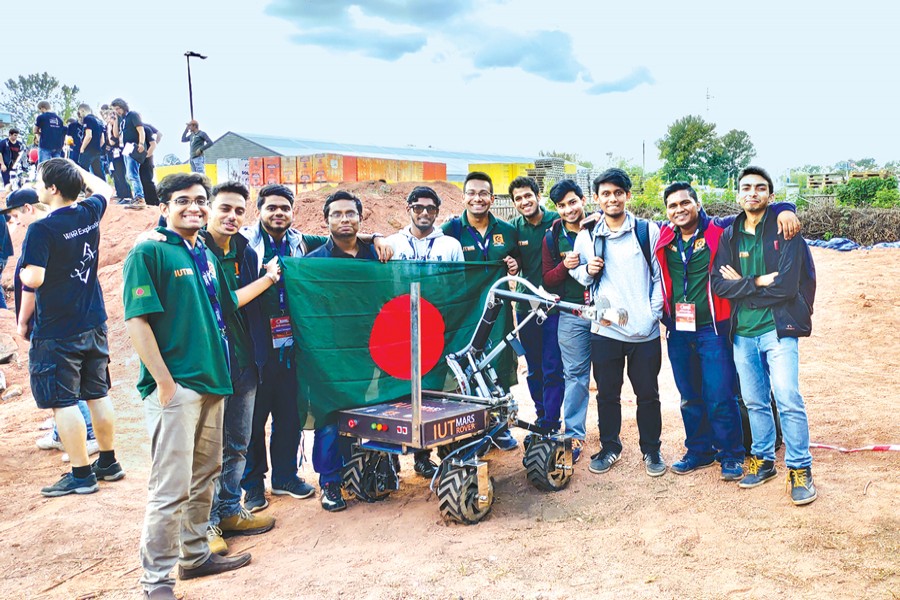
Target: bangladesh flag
{"x": 351, "y": 327}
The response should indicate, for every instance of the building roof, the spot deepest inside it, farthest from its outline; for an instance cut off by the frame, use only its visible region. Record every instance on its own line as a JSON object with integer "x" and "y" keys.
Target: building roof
{"x": 457, "y": 162}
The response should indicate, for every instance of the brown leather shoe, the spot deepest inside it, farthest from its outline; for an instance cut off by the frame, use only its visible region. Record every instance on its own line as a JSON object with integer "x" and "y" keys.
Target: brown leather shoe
{"x": 246, "y": 523}
{"x": 214, "y": 565}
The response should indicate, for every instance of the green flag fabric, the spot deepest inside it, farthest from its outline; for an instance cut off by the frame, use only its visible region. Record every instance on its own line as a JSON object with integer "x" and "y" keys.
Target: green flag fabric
{"x": 351, "y": 328}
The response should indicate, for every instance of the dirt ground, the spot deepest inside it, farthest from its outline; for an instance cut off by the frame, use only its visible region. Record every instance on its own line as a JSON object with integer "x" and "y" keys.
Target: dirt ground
{"x": 618, "y": 535}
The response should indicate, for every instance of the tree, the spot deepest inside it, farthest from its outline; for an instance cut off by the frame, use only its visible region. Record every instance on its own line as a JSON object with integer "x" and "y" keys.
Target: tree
{"x": 22, "y": 95}
{"x": 685, "y": 149}
{"x": 735, "y": 152}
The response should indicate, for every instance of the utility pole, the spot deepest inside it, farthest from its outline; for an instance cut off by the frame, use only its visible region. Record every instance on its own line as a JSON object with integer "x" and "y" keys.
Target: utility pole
{"x": 188, "y": 56}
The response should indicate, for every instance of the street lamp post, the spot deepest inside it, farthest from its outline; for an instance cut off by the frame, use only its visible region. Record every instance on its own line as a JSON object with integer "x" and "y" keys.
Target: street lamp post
{"x": 188, "y": 55}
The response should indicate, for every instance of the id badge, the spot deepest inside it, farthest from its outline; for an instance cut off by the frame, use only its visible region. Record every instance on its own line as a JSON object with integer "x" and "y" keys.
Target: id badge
{"x": 282, "y": 335}
{"x": 588, "y": 301}
{"x": 685, "y": 316}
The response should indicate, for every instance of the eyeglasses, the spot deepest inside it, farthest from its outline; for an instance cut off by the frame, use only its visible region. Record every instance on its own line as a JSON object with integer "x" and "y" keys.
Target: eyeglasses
{"x": 619, "y": 194}
{"x": 483, "y": 194}
{"x": 350, "y": 215}
{"x": 418, "y": 208}
{"x": 184, "y": 201}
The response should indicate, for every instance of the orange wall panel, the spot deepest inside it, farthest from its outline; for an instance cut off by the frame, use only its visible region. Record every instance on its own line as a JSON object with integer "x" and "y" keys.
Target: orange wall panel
{"x": 272, "y": 166}
{"x": 304, "y": 170}
{"x": 349, "y": 169}
{"x": 256, "y": 170}
{"x": 289, "y": 170}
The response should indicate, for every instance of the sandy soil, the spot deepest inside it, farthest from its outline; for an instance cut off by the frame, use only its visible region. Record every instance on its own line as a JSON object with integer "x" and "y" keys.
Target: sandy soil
{"x": 619, "y": 535}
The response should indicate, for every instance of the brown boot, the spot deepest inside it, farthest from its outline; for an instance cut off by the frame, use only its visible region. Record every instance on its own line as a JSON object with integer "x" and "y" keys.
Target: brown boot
{"x": 245, "y": 523}
{"x": 217, "y": 543}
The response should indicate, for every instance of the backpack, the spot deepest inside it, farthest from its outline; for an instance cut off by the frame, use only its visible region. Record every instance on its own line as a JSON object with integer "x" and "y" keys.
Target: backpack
{"x": 641, "y": 230}
{"x": 808, "y": 279}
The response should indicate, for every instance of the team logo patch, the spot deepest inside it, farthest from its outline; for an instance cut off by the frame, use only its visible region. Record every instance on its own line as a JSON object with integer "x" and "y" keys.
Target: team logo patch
{"x": 498, "y": 239}
{"x": 699, "y": 244}
{"x": 140, "y": 292}
{"x": 744, "y": 254}
{"x": 523, "y": 242}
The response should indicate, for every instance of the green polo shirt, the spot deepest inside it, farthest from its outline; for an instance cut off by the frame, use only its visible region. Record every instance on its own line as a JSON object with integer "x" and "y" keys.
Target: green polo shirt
{"x": 238, "y": 331}
{"x": 162, "y": 283}
{"x": 531, "y": 238}
{"x": 753, "y": 322}
{"x": 572, "y": 290}
{"x": 499, "y": 241}
{"x": 697, "y": 279}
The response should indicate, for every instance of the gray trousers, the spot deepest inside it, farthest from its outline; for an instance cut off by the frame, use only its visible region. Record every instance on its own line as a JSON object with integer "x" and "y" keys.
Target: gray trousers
{"x": 185, "y": 459}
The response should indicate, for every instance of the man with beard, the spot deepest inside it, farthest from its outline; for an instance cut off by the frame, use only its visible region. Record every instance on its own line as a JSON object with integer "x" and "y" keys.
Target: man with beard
{"x": 422, "y": 242}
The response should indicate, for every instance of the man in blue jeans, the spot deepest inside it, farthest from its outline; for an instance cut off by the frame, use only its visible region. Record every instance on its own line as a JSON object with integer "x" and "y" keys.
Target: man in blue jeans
{"x": 134, "y": 138}
{"x": 49, "y": 133}
{"x": 698, "y": 326}
{"x": 771, "y": 281}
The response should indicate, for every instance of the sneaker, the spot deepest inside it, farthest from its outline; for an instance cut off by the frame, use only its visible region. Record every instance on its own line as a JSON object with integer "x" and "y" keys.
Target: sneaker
{"x": 255, "y": 499}
{"x": 654, "y": 464}
{"x": 506, "y": 442}
{"x": 295, "y": 489}
{"x": 732, "y": 470}
{"x": 214, "y": 565}
{"x": 217, "y": 543}
{"x": 49, "y": 442}
{"x": 758, "y": 472}
{"x": 92, "y": 448}
{"x": 69, "y": 484}
{"x": 800, "y": 482}
{"x": 690, "y": 463}
{"x": 332, "y": 499}
{"x": 113, "y": 472}
{"x": 577, "y": 446}
{"x": 425, "y": 467}
{"x": 245, "y": 523}
{"x": 125, "y": 201}
{"x": 137, "y": 204}
{"x": 603, "y": 461}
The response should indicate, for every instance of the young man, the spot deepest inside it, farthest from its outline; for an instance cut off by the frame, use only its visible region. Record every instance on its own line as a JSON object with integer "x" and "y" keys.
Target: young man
{"x": 545, "y": 370}
{"x": 175, "y": 311}
{"x": 421, "y": 241}
{"x": 69, "y": 356}
{"x": 771, "y": 281}
{"x": 484, "y": 237}
{"x": 74, "y": 135}
{"x": 49, "y": 132}
{"x": 114, "y": 158}
{"x": 698, "y": 325}
{"x": 620, "y": 267}
{"x": 574, "y": 333}
{"x": 134, "y": 151}
{"x": 10, "y": 152}
{"x": 92, "y": 144}
{"x": 154, "y": 137}
{"x": 199, "y": 143}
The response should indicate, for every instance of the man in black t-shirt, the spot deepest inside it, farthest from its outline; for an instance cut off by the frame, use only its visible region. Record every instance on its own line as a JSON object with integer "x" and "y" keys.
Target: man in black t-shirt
{"x": 92, "y": 143}
{"x": 75, "y": 131}
{"x": 153, "y": 137}
{"x": 50, "y": 133}
{"x": 10, "y": 151}
{"x": 134, "y": 150}
{"x": 69, "y": 355}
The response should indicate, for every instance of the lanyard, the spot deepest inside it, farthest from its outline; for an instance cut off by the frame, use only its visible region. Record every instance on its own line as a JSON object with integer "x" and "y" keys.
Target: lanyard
{"x": 686, "y": 255}
{"x": 570, "y": 235}
{"x": 198, "y": 254}
{"x": 416, "y": 252}
{"x": 280, "y": 250}
{"x": 484, "y": 244}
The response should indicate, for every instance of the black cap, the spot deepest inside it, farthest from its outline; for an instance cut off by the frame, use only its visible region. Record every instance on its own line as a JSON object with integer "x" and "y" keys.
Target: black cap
{"x": 19, "y": 198}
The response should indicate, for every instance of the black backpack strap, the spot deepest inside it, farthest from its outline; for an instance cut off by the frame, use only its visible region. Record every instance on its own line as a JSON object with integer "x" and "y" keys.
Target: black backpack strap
{"x": 552, "y": 237}
{"x": 642, "y": 231}
{"x": 456, "y": 228}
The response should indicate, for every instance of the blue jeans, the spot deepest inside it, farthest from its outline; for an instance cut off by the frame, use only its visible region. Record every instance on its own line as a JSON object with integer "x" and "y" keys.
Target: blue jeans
{"x": 575, "y": 349}
{"x": 86, "y": 413}
{"x": 276, "y": 394}
{"x": 235, "y": 439}
{"x": 703, "y": 366}
{"x": 198, "y": 165}
{"x": 767, "y": 362}
{"x": 45, "y": 154}
{"x": 545, "y": 370}
{"x": 90, "y": 161}
{"x": 330, "y": 451}
{"x": 133, "y": 173}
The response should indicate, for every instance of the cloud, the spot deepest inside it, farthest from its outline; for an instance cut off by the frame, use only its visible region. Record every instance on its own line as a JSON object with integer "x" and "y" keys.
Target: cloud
{"x": 637, "y": 77}
{"x": 370, "y": 43}
{"x": 547, "y": 54}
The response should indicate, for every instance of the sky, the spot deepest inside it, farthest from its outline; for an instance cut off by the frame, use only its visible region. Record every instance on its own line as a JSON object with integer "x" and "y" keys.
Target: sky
{"x": 811, "y": 82}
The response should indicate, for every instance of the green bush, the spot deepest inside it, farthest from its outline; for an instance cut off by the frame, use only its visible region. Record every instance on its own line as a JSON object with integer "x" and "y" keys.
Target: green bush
{"x": 887, "y": 198}
{"x": 862, "y": 192}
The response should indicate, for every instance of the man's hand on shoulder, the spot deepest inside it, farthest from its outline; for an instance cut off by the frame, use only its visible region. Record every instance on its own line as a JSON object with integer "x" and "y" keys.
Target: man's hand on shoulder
{"x": 149, "y": 236}
{"x": 383, "y": 249}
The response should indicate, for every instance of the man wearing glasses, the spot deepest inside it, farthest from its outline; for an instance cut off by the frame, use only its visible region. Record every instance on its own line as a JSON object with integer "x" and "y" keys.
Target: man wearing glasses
{"x": 422, "y": 242}
{"x": 486, "y": 238}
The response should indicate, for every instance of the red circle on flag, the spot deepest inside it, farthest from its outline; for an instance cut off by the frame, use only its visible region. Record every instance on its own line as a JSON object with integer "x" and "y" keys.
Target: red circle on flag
{"x": 389, "y": 342}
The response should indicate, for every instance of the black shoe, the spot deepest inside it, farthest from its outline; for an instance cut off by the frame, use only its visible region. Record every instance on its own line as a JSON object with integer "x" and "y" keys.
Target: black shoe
{"x": 69, "y": 484}
{"x": 803, "y": 490}
{"x": 506, "y": 442}
{"x": 425, "y": 467}
{"x": 654, "y": 464}
{"x": 255, "y": 499}
{"x": 113, "y": 472}
{"x": 603, "y": 461}
{"x": 214, "y": 565}
{"x": 296, "y": 489}
{"x": 332, "y": 499}
{"x": 759, "y": 471}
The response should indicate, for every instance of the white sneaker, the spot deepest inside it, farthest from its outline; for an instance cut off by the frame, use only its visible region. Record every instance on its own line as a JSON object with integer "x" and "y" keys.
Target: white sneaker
{"x": 49, "y": 442}
{"x": 47, "y": 424}
{"x": 92, "y": 448}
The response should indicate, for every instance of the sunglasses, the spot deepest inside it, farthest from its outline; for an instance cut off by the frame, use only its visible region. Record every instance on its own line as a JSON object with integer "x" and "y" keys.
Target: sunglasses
{"x": 418, "y": 208}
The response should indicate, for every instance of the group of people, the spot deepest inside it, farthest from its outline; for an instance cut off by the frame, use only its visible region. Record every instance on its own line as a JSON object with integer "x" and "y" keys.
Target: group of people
{"x": 207, "y": 312}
